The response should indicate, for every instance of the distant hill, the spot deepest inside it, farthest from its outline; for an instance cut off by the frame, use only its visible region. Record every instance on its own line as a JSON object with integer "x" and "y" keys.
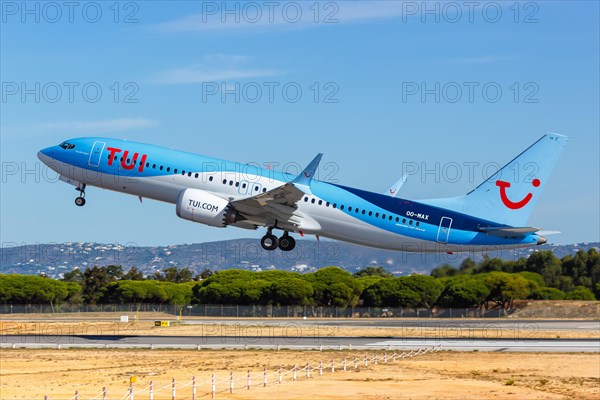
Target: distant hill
{"x": 58, "y": 258}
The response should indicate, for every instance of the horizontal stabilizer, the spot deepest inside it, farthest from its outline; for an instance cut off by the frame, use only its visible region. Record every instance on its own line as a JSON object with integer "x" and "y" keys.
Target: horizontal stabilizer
{"x": 545, "y": 233}
{"x": 509, "y": 232}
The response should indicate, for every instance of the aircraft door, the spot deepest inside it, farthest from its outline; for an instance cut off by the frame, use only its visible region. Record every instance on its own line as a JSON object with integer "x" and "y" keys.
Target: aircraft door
{"x": 96, "y": 154}
{"x": 244, "y": 187}
{"x": 444, "y": 230}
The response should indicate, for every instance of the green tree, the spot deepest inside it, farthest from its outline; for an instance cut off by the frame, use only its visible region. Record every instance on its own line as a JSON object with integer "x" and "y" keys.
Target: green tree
{"x": 28, "y": 289}
{"x": 547, "y": 265}
{"x": 372, "y": 271}
{"x": 367, "y": 281}
{"x": 114, "y": 272}
{"x": 580, "y": 293}
{"x": 291, "y": 291}
{"x": 427, "y": 288}
{"x": 491, "y": 264}
{"x": 391, "y": 292}
{"x": 74, "y": 276}
{"x": 133, "y": 274}
{"x": 205, "y": 274}
{"x": 95, "y": 282}
{"x": 533, "y": 277}
{"x": 175, "y": 275}
{"x": 468, "y": 266}
{"x": 546, "y": 293}
{"x": 334, "y": 287}
{"x": 505, "y": 288}
{"x": 463, "y": 291}
{"x": 444, "y": 271}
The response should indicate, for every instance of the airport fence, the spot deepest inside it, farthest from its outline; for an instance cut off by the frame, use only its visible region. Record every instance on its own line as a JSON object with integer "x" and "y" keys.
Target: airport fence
{"x": 232, "y": 382}
{"x": 268, "y": 311}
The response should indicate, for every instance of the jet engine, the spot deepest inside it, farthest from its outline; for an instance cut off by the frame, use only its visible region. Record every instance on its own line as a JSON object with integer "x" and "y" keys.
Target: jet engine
{"x": 206, "y": 208}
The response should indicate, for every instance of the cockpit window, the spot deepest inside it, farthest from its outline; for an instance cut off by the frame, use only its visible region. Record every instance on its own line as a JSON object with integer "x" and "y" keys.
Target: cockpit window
{"x": 67, "y": 146}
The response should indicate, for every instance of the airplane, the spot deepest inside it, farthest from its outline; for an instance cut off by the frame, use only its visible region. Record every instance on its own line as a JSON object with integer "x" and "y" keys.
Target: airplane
{"x": 222, "y": 193}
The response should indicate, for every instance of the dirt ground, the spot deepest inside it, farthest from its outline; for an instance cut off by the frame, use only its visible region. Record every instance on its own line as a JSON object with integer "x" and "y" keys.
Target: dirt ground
{"x": 32, "y": 374}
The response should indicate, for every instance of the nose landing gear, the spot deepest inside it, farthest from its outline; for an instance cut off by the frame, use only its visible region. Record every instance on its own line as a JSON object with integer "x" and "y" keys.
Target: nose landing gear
{"x": 80, "y": 200}
{"x": 271, "y": 242}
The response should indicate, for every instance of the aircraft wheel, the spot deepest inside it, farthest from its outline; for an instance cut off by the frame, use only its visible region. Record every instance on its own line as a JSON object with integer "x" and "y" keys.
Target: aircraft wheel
{"x": 287, "y": 243}
{"x": 269, "y": 242}
{"x": 79, "y": 201}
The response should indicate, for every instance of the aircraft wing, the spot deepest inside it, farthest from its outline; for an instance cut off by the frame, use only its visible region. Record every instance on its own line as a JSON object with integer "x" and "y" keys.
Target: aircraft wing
{"x": 278, "y": 207}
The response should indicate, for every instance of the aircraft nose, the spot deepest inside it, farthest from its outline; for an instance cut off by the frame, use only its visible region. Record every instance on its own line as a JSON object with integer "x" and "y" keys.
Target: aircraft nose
{"x": 541, "y": 240}
{"x": 45, "y": 155}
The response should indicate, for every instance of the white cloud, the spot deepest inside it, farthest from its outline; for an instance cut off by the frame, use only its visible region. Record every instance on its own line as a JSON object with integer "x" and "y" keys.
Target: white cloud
{"x": 214, "y": 67}
{"x": 101, "y": 126}
{"x": 283, "y": 14}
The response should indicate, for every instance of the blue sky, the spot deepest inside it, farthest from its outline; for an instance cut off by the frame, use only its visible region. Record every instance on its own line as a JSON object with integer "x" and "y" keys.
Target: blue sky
{"x": 381, "y": 88}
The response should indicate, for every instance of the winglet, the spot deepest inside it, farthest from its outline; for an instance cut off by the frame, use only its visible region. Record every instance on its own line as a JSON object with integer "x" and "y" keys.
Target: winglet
{"x": 303, "y": 180}
{"x": 395, "y": 188}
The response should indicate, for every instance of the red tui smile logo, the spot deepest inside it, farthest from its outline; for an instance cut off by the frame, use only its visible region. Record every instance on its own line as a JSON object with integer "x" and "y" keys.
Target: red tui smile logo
{"x": 515, "y": 205}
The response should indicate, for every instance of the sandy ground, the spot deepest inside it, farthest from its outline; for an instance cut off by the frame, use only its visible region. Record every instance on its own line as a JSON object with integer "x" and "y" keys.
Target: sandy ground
{"x": 31, "y": 374}
{"x": 284, "y": 327}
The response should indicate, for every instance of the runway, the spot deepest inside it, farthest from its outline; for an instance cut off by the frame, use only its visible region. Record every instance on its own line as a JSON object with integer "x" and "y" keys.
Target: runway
{"x": 298, "y": 343}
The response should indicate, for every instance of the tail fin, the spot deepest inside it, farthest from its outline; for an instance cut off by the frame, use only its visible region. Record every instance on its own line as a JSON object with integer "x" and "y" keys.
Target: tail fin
{"x": 509, "y": 196}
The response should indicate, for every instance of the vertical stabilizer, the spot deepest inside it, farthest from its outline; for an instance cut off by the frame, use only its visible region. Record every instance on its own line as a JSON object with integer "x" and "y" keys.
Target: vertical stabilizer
{"x": 509, "y": 196}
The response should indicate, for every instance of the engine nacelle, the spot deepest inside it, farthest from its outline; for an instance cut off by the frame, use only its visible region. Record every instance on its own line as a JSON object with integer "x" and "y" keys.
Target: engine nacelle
{"x": 206, "y": 208}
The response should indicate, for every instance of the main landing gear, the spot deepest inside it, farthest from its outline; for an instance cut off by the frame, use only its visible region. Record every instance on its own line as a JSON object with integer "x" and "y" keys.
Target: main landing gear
{"x": 271, "y": 242}
{"x": 80, "y": 200}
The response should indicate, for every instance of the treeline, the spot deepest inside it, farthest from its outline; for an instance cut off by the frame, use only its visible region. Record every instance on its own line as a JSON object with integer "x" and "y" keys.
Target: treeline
{"x": 556, "y": 279}
{"x": 490, "y": 283}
